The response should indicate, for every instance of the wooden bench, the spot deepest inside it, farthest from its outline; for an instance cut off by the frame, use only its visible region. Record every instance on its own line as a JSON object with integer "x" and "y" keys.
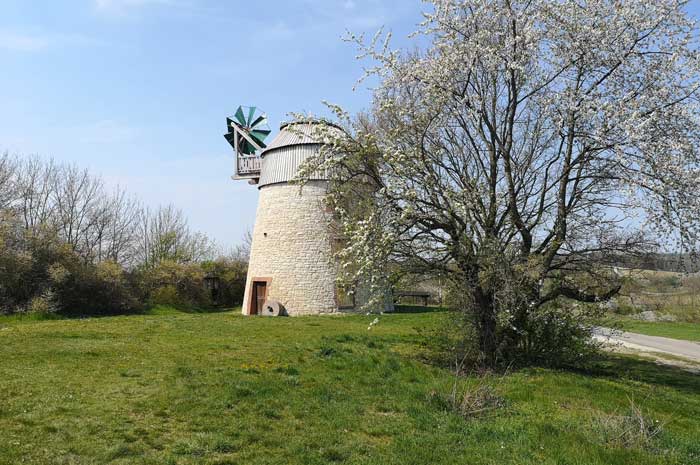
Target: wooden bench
{"x": 424, "y": 296}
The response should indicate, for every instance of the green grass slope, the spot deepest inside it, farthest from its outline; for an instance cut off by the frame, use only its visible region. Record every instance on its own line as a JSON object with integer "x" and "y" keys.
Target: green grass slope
{"x": 218, "y": 388}
{"x": 673, "y": 330}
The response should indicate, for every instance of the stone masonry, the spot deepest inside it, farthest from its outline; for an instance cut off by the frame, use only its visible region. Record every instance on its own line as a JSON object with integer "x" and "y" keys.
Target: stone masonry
{"x": 291, "y": 249}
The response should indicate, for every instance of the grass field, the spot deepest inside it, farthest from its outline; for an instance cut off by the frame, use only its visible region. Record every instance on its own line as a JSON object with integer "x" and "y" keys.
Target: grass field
{"x": 674, "y": 330}
{"x": 219, "y": 388}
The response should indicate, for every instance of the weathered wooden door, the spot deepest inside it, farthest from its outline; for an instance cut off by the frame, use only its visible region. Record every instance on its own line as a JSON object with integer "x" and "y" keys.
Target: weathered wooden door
{"x": 260, "y": 295}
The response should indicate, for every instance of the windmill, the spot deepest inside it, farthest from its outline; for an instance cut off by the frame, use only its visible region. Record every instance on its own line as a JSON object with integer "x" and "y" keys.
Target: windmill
{"x": 291, "y": 267}
{"x": 247, "y": 131}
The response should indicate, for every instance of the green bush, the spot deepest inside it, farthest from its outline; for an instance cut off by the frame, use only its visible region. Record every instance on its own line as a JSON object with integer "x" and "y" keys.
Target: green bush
{"x": 174, "y": 283}
{"x": 183, "y": 284}
{"x": 559, "y": 334}
{"x": 85, "y": 288}
{"x": 43, "y": 305}
{"x": 232, "y": 277}
{"x": 556, "y": 333}
{"x": 41, "y": 274}
{"x": 166, "y": 295}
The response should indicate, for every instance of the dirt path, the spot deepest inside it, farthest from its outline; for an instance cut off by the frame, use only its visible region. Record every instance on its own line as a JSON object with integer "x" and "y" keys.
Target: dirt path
{"x": 652, "y": 344}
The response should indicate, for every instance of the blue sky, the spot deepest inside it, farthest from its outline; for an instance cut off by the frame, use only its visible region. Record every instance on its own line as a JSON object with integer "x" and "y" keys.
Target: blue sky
{"x": 138, "y": 90}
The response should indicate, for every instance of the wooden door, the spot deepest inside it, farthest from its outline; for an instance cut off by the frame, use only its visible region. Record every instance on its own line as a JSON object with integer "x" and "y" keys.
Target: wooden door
{"x": 259, "y": 296}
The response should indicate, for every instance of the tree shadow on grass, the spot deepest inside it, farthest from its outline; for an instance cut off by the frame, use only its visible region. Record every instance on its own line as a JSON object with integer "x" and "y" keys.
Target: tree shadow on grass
{"x": 646, "y": 371}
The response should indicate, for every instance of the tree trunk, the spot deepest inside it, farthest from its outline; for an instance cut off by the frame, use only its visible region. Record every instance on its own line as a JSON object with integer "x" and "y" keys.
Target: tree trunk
{"x": 485, "y": 325}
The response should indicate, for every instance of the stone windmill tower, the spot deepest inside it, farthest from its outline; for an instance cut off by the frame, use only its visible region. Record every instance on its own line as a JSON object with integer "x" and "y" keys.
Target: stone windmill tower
{"x": 291, "y": 268}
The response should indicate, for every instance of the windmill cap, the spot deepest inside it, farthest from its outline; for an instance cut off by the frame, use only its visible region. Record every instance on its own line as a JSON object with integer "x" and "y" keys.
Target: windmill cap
{"x": 299, "y": 132}
{"x": 323, "y": 121}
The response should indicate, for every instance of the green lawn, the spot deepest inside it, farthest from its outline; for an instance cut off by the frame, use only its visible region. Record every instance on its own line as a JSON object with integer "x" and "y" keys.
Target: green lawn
{"x": 673, "y": 330}
{"x": 685, "y": 331}
{"x": 220, "y": 388}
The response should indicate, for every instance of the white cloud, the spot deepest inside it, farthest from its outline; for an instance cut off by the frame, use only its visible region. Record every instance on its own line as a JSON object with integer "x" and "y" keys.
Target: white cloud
{"x": 17, "y": 42}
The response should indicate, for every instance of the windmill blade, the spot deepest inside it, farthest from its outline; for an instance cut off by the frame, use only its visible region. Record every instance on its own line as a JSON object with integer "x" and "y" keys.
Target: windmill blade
{"x": 231, "y": 138}
{"x": 251, "y": 113}
{"x": 246, "y": 135}
{"x": 259, "y": 120}
{"x": 260, "y": 133}
{"x": 259, "y": 137}
{"x": 259, "y": 142}
{"x": 240, "y": 116}
{"x": 247, "y": 130}
{"x": 247, "y": 148}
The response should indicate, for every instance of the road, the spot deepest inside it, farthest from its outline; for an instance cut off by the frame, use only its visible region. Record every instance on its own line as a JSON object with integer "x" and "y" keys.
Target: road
{"x": 641, "y": 342}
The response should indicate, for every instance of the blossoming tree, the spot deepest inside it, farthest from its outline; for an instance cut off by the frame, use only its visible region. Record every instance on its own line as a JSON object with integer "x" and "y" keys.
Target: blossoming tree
{"x": 525, "y": 143}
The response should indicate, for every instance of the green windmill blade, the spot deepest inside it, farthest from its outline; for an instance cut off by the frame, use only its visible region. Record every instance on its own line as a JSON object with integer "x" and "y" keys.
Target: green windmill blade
{"x": 231, "y": 138}
{"x": 247, "y": 148}
{"x": 263, "y": 133}
{"x": 259, "y": 143}
{"x": 259, "y": 136}
{"x": 247, "y": 130}
{"x": 251, "y": 113}
{"x": 260, "y": 119}
{"x": 240, "y": 116}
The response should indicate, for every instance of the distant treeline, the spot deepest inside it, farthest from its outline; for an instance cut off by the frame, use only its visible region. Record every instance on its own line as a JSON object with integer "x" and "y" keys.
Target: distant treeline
{"x": 69, "y": 244}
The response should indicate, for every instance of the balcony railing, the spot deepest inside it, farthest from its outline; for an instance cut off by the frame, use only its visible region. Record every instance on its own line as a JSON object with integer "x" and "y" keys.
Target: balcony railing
{"x": 248, "y": 166}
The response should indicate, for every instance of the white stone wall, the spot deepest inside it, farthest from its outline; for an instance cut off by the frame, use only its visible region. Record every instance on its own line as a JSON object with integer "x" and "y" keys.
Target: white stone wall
{"x": 291, "y": 246}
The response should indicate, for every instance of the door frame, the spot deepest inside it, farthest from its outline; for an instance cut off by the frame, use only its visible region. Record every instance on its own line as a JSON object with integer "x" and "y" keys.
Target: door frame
{"x": 252, "y": 298}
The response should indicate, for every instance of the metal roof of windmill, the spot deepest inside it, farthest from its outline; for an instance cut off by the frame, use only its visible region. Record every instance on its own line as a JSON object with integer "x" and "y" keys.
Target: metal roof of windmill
{"x": 300, "y": 132}
{"x": 294, "y": 144}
